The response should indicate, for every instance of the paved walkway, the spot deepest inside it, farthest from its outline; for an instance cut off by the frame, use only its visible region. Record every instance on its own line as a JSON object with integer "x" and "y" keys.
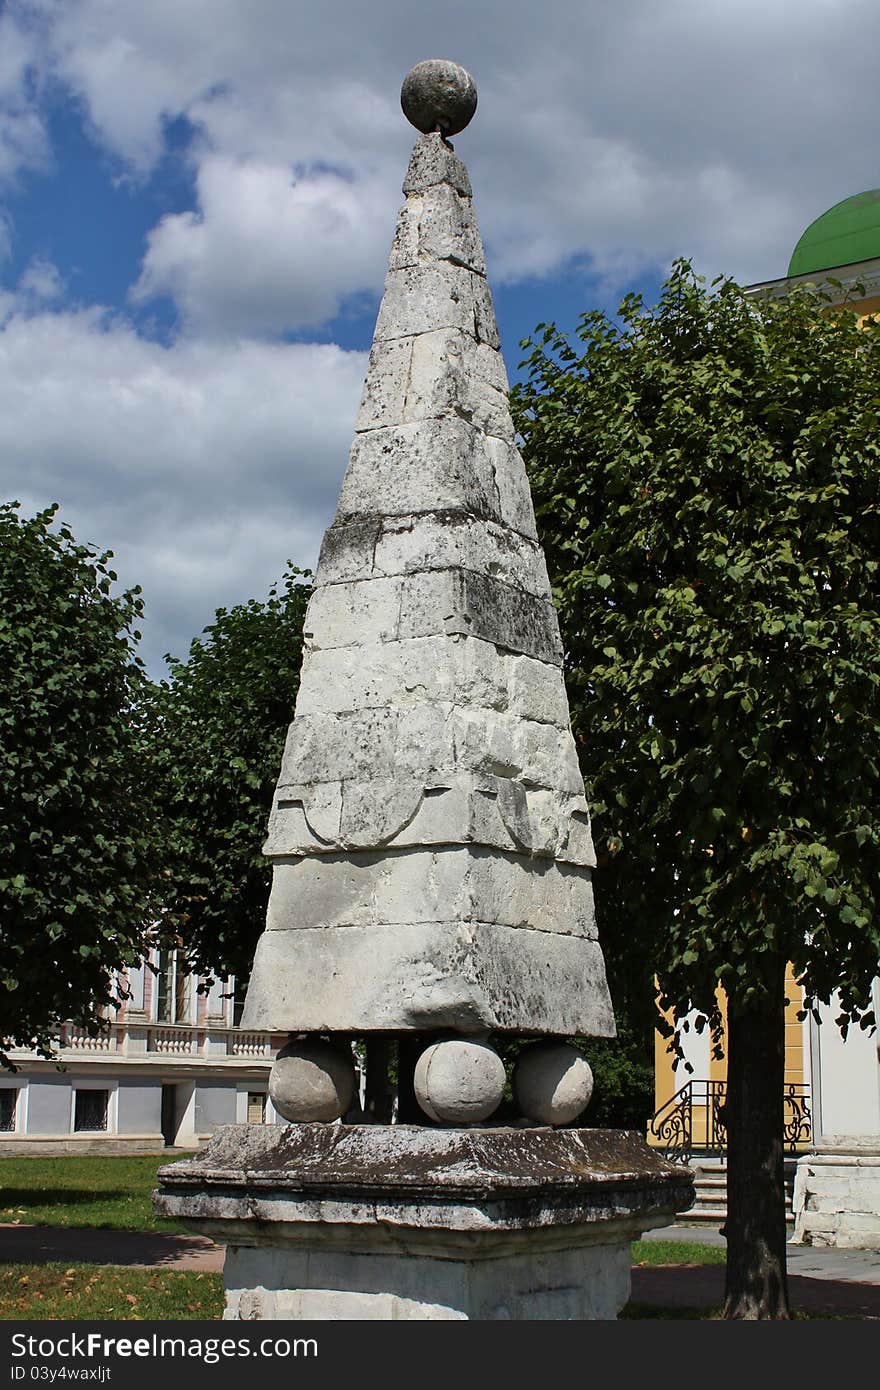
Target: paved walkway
{"x": 822, "y": 1281}
{"x": 807, "y": 1261}
{"x": 91, "y": 1245}
{"x": 836, "y": 1283}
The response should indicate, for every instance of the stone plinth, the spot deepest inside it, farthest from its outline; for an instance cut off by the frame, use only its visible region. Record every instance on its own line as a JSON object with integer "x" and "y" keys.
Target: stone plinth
{"x": 837, "y": 1196}
{"x": 404, "y": 1222}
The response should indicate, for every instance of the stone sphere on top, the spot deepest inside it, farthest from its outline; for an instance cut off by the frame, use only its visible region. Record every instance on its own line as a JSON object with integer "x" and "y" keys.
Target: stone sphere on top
{"x": 438, "y": 95}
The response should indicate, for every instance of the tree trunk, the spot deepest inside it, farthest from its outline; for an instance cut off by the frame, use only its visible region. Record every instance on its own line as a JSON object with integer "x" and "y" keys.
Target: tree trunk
{"x": 409, "y": 1048}
{"x": 378, "y": 1088}
{"x": 757, "y": 1285}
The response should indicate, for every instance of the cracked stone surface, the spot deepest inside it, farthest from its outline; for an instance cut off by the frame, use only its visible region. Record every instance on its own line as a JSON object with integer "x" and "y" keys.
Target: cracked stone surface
{"x": 430, "y": 835}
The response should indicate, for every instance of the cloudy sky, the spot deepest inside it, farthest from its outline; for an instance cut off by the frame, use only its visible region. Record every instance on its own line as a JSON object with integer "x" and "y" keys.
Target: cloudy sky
{"x": 197, "y": 198}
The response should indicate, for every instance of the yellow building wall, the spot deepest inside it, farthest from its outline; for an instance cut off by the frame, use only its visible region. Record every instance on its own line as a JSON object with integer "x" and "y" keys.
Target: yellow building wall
{"x": 796, "y": 1063}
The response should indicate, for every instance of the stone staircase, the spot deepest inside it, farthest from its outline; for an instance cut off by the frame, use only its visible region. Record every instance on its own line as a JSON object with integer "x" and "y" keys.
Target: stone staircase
{"x": 710, "y": 1188}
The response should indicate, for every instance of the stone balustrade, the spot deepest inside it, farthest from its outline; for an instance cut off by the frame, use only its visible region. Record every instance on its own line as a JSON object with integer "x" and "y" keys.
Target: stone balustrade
{"x": 132, "y": 1037}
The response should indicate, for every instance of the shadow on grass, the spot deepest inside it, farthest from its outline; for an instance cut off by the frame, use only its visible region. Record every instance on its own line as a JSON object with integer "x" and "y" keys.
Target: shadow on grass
{"x": 11, "y": 1197}
{"x": 639, "y": 1311}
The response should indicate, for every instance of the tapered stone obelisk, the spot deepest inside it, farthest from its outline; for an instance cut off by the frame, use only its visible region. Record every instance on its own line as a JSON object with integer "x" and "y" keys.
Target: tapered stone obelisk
{"x": 431, "y": 855}
{"x": 430, "y": 837}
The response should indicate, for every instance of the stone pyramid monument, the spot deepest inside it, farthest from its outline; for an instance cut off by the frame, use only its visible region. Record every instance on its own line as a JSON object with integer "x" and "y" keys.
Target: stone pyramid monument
{"x": 431, "y": 866}
{"x": 430, "y": 836}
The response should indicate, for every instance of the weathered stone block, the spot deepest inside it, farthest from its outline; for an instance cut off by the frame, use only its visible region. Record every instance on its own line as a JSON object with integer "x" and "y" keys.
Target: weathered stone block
{"x": 501, "y": 745}
{"x": 483, "y": 546}
{"x": 445, "y": 377}
{"x": 347, "y": 550}
{"x": 588, "y": 1283}
{"x": 421, "y": 299}
{"x": 441, "y": 373}
{"x": 462, "y": 809}
{"x": 449, "y": 669}
{"x": 367, "y": 744}
{"x": 514, "y": 497}
{"x": 434, "y": 161}
{"x": 384, "y": 395}
{"x": 405, "y": 243}
{"x": 468, "y": 977}
{"x": 353, "y": 613}
{"x": 424, "y": 299}
{"x": 427, "y": 739}
{"x": 536, "y": 690}
{"x": 488, "y": 366}
{"x": 366, "y": 612}
{"x": 837, "y": 1198}
{"x": 361, "y": 547}
{"x": 432, "y": 466}
{"x": 437, "y": 225}
{"x": 509, "y": 617}
{"x": 459, "y": 883}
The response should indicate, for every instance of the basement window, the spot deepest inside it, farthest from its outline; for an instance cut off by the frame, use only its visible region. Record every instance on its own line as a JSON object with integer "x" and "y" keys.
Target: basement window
{"x": 90, "y": 1109}
{"x": 8, "y": 1106}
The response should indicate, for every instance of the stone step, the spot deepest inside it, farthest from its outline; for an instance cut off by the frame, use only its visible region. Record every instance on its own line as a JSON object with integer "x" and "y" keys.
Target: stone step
{"x": 710, "y": 1195}
{"x": 704, "y": 1214}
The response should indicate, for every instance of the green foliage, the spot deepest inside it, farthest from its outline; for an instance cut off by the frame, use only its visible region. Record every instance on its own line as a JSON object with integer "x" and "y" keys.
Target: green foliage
{"x": 216, "y": 734}
{"x": 623, "y": 1080}
{"x": 706, "y": 477}
{"x": 77, "y": 854}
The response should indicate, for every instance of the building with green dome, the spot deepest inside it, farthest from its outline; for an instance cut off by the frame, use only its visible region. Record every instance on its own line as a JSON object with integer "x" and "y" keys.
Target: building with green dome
{"x": 842, "y": 246}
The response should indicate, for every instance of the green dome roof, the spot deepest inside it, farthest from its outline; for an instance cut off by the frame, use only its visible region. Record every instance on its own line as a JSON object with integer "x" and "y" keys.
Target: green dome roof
{"x": 848, "y": 232}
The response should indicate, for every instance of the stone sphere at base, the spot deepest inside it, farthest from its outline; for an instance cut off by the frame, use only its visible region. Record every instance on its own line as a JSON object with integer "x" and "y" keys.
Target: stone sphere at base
{"x": 552, "y": 1083}
{"x": 312, "y": 1080}
{"x": 438, "y": 95}
{"x": 459, "y": 1081}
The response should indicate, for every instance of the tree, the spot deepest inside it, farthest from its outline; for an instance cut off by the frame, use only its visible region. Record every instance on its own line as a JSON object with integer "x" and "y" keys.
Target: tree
{"x": 77, "y": 853}
{"x": 216, "y": 732}
{"x": 706, "y": 476}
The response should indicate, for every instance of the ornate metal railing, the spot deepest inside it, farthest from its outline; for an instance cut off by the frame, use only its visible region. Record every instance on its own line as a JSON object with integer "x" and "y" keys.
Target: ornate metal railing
{"x": 692, "y": 1121}
{"x": 798, "y": 1129}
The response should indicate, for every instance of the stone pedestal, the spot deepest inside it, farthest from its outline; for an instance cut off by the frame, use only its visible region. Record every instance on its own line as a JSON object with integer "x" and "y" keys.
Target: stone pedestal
{"x": 402, "y": 1222}
{"x": 836, "y": 1198}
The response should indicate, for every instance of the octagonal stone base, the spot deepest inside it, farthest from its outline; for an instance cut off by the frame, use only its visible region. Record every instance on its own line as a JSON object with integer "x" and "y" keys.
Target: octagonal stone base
{"x": 402, "y": 1222}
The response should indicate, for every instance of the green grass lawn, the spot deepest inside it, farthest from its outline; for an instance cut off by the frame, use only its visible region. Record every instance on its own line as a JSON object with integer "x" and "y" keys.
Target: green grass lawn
{"x": 115, "y": 1193}
{"x": 82, "y": 1191}
{"x": 39, "y": 1292}
{"x": 103, "y": 1292}
{"x": 677, "y": 1252}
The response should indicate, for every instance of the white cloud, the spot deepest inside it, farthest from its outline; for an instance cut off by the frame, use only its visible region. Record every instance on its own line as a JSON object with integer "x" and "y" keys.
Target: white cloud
{"x": 23, "y": 141}
{"x": 41, "y": 282}
{"x": 203, "y": 466}
{"x": 266, "y": 251}
{"x": 625, "y": 134}
{"x": 617, "y": 136}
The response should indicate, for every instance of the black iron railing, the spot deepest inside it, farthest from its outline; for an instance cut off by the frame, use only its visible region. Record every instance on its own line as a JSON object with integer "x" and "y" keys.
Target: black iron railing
{"x": 692, "y": 1121}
